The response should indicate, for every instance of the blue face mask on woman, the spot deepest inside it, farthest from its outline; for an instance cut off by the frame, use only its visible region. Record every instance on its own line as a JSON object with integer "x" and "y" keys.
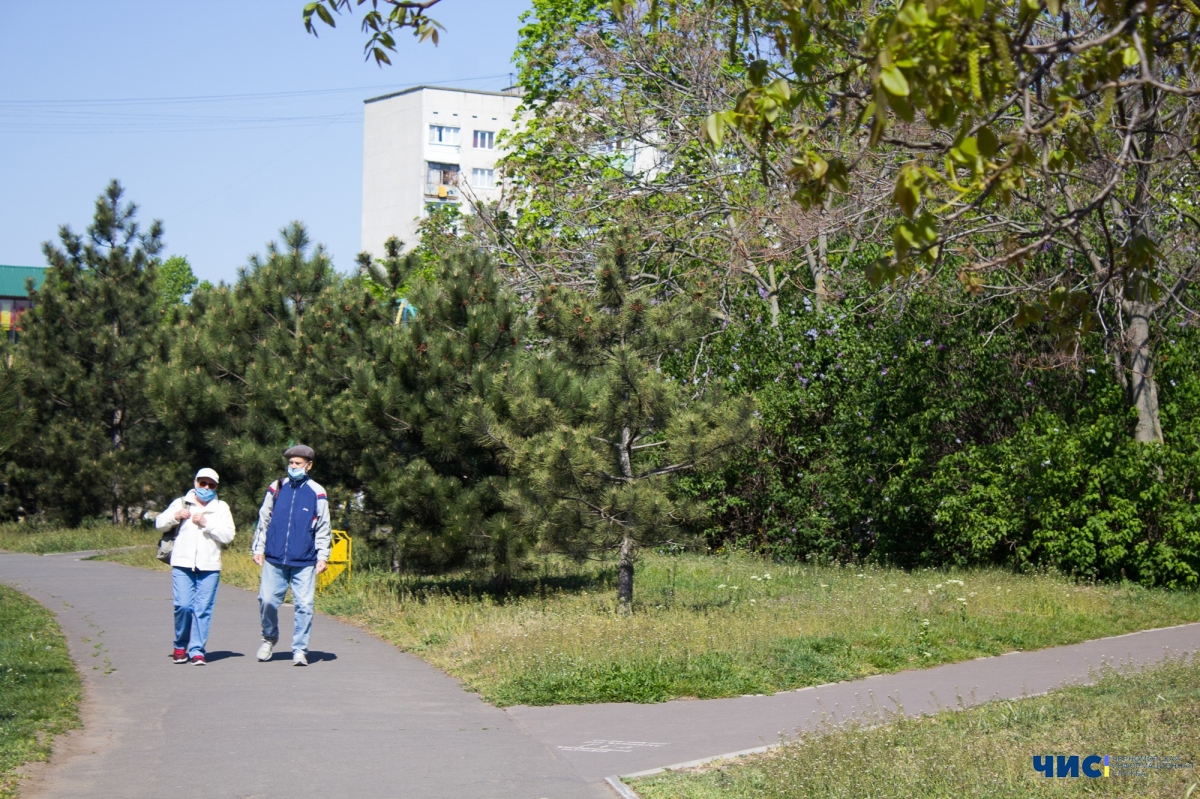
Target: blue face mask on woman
{"x": 206, "y": 494}
{"x": 296, "y": 473}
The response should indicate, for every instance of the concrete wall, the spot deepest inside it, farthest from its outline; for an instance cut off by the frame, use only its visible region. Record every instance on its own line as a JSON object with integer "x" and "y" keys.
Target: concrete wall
{"x": 397, "y": 151}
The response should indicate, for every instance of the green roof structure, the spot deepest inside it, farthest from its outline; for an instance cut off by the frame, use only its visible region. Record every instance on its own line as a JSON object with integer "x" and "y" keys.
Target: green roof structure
{"x": 12, "y": 280}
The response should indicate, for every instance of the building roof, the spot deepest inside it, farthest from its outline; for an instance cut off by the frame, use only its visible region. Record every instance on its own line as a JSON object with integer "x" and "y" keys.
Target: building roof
{"x": 12, "y": 279}
{"x": 410, "y": 89}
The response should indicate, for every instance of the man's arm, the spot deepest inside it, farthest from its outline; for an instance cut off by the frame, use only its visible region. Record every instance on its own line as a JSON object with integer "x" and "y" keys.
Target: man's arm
{"x": 259, "y": 544}
{"x": 323, "y": 531}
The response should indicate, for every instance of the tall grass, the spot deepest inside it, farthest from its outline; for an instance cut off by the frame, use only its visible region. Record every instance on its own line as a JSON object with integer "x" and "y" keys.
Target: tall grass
{"x": 717, "y": 626}
{"x": 39, "y": 687}
{"x": 982, "y": 752}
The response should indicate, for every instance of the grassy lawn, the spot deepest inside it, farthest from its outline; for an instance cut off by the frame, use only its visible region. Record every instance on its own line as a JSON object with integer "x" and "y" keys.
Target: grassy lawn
{"x": 983, "y": 752}
{"x": 717, "y": 626}
{"x": 39, "y": 688}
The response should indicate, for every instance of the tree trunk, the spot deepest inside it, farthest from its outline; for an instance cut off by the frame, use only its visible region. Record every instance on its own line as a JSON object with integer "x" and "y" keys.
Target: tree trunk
{"x": 625, "y": 566}
{"x": 625, "y": 575}
{"x": 1140, "y": 386}
{"x": 773, "y": 295}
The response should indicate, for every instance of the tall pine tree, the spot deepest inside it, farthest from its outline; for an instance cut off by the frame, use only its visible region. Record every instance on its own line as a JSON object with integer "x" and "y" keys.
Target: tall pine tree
{"x": 94, "y": 447}
{"x": 440, "y": 488}
{"x": 597, "y": 428}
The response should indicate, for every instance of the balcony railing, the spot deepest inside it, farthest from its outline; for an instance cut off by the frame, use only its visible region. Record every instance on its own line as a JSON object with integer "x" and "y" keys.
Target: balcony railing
{"x": 442, "y": 191}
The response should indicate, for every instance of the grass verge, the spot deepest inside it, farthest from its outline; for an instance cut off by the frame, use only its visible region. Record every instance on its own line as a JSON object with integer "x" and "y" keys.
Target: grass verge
{"x": 40, "y": 540}
{"x": 982, "y": 752}
{"x": 39, "y": 687}
{"x": 717, "y": 626}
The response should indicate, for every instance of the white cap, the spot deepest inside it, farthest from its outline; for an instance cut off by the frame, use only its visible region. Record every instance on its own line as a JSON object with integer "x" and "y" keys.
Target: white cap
{"x": 211, "y": 474}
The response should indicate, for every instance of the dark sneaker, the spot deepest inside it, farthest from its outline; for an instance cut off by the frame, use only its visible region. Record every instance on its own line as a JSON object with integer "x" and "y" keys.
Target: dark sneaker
{"x": 180, "y": 656}
{"x": 197, "y": 660}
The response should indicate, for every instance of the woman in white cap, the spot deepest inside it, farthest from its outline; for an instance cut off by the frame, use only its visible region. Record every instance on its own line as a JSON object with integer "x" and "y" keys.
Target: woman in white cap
{"x": 205, "y": 525}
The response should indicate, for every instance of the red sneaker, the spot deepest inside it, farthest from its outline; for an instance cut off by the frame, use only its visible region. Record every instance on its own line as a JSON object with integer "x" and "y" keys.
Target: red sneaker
{"x": 197, "y": 660}
{"x": 180, "y": 656}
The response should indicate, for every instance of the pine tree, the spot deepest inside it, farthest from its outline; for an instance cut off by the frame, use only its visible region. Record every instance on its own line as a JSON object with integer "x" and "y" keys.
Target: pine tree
{"x": 598, "y": 429}
{"x": 253, "y": 367}
{"x": 441, "y": 489}
{"x": 93, "y": 447}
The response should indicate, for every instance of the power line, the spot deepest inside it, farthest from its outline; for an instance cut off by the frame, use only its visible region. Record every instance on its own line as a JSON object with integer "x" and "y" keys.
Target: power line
{"x": 212, "y": 98}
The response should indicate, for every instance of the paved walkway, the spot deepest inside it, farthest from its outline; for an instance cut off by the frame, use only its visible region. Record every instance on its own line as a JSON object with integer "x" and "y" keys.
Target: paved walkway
{"x": 368, "y": 720}
{"x": 364, "y": 720}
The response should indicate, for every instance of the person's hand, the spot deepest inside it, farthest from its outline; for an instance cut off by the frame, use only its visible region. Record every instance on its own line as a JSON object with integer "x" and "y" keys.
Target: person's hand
{"x": 198, "y": 518}
{"x": 182, "y": 513}
{"x": 258, "y": 559}
{"x": 321, "y": 566}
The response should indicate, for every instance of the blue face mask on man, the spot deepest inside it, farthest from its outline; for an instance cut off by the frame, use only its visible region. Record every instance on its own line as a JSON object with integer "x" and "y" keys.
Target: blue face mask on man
{"x": 206, "y": 494}
{"x": 296, "y": 473}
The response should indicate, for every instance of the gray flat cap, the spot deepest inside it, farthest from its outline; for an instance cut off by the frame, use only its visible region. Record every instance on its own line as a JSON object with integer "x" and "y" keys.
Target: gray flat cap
{"x": 299, "y": 451}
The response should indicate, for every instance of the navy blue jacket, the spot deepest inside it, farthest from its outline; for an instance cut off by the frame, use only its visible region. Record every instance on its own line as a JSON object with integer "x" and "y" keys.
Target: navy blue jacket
{"x": 293, "y": 524}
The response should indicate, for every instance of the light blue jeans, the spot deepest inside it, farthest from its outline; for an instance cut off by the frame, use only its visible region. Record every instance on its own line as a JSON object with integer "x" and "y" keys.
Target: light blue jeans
{"x": 195, "y": 594}
{"x": 271, "y": 589}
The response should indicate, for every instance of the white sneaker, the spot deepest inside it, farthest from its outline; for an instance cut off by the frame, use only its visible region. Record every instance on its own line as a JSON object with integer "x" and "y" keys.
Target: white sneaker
{"x": 299, "y": 658}
{"x": 264, "y": 651}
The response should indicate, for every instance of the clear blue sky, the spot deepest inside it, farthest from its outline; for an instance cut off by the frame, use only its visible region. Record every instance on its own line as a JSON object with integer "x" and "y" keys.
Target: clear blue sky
{"x": 151, "y": 92}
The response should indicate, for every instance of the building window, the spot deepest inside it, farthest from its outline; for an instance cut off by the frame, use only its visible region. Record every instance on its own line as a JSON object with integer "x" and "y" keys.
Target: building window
{"x": 444, "y": 134}
{"x": 446, "y": 174}
{"x": 485, "y": 140}
{"x": 483, "y": 178}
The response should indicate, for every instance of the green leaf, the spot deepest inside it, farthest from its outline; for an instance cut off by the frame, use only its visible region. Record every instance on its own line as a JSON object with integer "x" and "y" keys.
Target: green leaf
{"x": 894, "y": 81}
{"x": 714, "y": 129}
{"x": 1130, "y": 57}
{"x": 989, "y": 145}
{"x": 325, "y": 16}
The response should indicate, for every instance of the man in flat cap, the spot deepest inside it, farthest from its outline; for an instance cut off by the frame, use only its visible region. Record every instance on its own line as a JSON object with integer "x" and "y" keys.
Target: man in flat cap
{"x": 291, "y": 543}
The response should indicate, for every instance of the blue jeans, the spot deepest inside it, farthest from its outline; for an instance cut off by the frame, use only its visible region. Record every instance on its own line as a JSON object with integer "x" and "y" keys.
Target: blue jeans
{"x": 274, "y": 584}
{"x": 195, "y": 594}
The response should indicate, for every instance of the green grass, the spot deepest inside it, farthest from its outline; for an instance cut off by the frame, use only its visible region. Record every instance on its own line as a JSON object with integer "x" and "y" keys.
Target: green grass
{"x": 40, "y": 540}
{"x": 982, "y": 752}
{"x": 717, "y": 626}
{"x": 39, "y": 688}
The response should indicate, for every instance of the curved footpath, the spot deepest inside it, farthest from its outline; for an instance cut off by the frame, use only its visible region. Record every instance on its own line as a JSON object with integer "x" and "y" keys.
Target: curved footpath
{"x": 368, "y": 720}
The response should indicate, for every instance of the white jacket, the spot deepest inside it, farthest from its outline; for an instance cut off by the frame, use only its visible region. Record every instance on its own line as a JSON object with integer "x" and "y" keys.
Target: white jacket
{"x": 198, "y": 546}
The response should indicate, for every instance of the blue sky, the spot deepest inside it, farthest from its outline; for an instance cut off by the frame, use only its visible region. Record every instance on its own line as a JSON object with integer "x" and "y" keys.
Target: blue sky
{"x": 224, "y": 119}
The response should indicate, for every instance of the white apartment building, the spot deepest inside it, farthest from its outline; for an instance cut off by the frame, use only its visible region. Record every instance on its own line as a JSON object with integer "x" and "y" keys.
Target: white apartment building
{"x": 428, "y": 146}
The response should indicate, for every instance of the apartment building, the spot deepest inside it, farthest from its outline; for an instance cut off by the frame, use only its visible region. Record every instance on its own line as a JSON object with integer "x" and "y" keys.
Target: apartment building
{"x": 428, "y": 146}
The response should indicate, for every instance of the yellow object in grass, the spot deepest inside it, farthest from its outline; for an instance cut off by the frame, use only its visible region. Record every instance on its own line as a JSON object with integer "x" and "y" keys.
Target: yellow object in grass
{"x": 339, "y": 560}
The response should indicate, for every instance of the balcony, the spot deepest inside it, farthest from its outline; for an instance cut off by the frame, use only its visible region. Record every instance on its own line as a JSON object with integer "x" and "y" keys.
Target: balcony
{"x": 443, "y": 191}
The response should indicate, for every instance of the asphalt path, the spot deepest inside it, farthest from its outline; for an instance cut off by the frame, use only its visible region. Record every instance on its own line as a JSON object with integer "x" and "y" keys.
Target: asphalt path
{"x": 368, "y": 720}
{"x": 363, "y": 720}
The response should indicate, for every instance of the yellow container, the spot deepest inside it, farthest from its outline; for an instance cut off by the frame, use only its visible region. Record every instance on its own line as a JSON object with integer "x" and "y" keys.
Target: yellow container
{"x": 339, "y": 560}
